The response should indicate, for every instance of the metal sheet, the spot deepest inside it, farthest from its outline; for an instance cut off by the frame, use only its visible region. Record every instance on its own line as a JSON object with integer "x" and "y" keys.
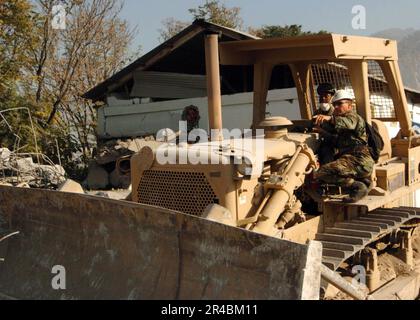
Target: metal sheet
{"x": 168, "y": 85}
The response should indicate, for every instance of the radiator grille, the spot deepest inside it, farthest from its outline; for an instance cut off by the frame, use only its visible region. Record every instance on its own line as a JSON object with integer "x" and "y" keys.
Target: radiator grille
{"x": 188, "y": 192}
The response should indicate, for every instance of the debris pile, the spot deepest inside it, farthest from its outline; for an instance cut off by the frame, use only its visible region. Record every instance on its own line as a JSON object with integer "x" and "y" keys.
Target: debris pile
{"x": 30, "y": 170}
{"x": 20, "y": 170}
{"x": 107, "y": 170}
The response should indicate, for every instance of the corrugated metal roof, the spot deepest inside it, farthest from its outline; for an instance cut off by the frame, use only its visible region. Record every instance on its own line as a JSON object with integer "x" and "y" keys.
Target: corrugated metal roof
{"x": 168, "y": 85}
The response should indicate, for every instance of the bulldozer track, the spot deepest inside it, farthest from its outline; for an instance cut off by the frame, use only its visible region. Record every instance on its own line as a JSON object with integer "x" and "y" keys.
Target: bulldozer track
{"x": 348, "y": 237}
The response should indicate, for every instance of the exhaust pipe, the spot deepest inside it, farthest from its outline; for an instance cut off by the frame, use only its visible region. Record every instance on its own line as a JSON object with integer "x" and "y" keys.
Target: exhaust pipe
{"x": 213, "y": 86}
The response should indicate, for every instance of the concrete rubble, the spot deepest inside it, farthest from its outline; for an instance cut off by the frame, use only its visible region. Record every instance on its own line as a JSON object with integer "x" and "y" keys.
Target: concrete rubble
{"x": 71, "y": 186}
{"x": 103, "y": 173}
{"x": 112, "y": 194}
{"x": 29, "y": 170}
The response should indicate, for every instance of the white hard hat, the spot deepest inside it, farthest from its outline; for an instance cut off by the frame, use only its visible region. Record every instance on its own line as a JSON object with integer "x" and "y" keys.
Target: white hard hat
{"x": 342, "y": 95}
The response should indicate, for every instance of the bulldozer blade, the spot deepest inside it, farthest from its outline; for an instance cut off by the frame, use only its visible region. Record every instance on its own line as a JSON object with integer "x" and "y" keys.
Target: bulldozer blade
{"x": 73, "y": 246}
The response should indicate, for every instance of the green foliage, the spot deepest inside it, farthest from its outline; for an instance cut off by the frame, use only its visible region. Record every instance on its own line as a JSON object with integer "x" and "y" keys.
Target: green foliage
{"x": 17, "y": 25}
{"x": 16, "y": 131}
{"x": 216, "y": 12}
{"x": 276, "y": 31}
{"x": 16, "y": 37}
{"x": 45, "y": 71}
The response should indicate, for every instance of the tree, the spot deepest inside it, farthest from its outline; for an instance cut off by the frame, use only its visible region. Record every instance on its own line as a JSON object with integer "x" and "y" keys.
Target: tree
{"x": 274, "y": 31}
{"x": 60, "y": 66}
{"x": 212, "y": 11}
{"x": 170, "y": 27}
{"x": 102, "y": 58}
{"x": 216, "y": 12}
{"x": 93, "y": 47}
{"x": 17, "y": 23}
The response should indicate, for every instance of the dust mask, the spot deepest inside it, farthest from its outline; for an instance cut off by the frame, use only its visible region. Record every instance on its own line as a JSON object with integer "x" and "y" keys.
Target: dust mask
{"x": 324, "y": 107}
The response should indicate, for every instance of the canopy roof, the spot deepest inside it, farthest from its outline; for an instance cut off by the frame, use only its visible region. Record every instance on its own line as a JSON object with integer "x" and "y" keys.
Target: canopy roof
{"x": 307, "y": 48}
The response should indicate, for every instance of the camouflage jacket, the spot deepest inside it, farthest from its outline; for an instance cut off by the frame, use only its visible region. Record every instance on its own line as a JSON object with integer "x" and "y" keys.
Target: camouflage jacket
{"x": 348, "y": 132}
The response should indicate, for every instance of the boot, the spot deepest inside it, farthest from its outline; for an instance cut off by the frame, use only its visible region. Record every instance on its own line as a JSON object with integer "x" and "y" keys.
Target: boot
{"x": 358, "y": 190}
{"x": 367, "y": 182}
{"x": 346, "y": 185}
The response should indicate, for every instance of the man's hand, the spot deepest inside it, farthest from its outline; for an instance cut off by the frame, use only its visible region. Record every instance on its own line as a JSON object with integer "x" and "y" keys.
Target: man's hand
{"x": 320, "y": 119}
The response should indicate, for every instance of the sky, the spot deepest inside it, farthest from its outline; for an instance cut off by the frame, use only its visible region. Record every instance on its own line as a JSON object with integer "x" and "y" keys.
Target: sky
{"x": 314, "y": 15}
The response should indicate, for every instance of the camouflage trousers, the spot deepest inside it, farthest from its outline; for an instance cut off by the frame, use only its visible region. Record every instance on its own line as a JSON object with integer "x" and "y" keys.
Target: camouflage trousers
{"x": 354, "y": 165}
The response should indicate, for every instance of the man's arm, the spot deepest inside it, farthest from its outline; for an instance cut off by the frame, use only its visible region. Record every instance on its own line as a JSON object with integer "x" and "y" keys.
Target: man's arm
{"x": 348, "y": 122}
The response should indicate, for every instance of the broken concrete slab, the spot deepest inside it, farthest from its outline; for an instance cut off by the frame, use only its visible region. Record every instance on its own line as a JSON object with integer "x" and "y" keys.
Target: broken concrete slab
{"x": 25, "y": 164}
{"x": 53, "y": 175}
{"x": 4, "y": 156}
{"x": 109, "y": 156}
{"x": 71, "y": 186}
{"x": 137, "y": 144}
{"x": 111, "y": 194}
{"x": 111, "y": 150}
{"x": 23, "y": 185}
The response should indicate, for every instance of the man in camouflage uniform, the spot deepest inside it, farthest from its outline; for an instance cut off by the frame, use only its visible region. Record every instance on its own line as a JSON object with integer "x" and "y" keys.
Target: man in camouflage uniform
{"x": 325, "y": 92}
{"x": 346, "y": 130}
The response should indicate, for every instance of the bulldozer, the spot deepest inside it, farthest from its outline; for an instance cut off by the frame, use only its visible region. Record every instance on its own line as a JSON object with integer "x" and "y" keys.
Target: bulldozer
{"x": 236, "y": 216}
{"x": 278, "y": 200}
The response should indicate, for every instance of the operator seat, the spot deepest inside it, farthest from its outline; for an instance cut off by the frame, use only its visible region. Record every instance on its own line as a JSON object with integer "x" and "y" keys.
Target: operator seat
{"x": 386, "y": 152}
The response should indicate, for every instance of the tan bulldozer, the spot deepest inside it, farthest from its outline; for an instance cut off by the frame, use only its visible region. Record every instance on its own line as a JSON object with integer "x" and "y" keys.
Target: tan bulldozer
{"x": 236, "y": 217}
